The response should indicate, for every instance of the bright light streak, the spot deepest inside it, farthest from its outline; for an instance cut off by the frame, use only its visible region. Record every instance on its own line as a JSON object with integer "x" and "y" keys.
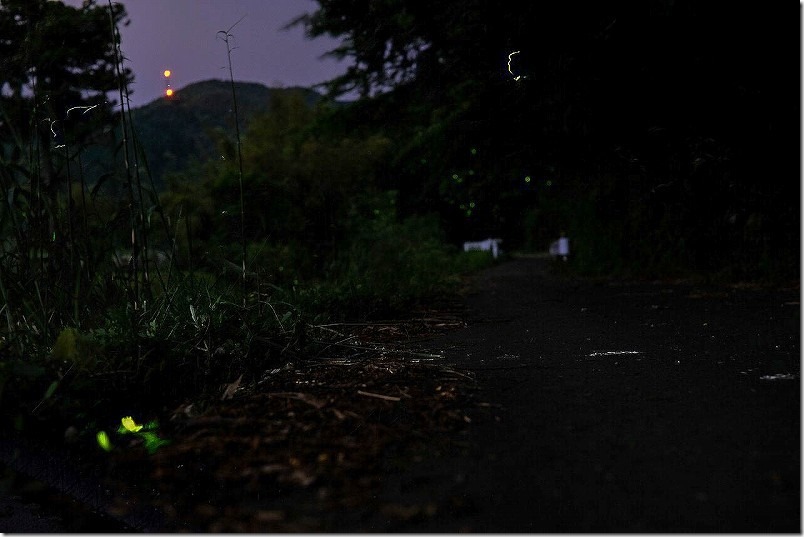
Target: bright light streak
{"x": 516, "y": 77}
{"x": 84, "y": 108}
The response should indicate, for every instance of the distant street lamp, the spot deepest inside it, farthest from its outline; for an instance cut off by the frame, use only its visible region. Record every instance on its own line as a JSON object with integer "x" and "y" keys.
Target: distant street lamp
{"x": 168, "y": 89}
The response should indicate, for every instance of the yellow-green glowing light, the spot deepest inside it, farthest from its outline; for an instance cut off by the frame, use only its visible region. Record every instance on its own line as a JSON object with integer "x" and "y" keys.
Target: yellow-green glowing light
{"x": 130, "y": 425}
{"x": 103, "y": 441}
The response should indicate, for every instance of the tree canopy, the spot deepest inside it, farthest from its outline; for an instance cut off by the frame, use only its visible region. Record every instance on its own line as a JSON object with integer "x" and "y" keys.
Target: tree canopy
{"x": 58, "y": 68}
{"x": 664, "y": 122}
{"x": 55, "y": 61}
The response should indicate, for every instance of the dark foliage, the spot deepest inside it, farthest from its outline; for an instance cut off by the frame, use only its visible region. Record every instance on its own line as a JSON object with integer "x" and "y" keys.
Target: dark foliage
{"x": 660, "y": 134}
{"x": 177, "y": 131}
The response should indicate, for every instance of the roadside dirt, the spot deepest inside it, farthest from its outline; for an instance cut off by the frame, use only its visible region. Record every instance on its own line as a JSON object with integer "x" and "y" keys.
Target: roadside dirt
{"x": 553, "y": 405}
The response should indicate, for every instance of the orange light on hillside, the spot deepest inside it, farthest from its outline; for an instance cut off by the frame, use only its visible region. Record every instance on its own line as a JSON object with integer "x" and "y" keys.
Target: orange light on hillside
{"x": 168, "y": 89}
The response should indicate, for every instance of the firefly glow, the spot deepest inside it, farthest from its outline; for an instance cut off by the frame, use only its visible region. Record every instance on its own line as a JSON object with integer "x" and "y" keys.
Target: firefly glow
{"x": 510, "y": 56}
{"x": 166, "y": 73}
{"x": 130, "y": 425}
{"x": 84, "y": 108}
{"x": 103, "y": 441}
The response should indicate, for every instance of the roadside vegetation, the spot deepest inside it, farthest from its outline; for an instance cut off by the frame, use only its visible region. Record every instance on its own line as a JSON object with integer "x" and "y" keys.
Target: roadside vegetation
{"x": 131, "y": 281}
{"x": 122, "y": 294}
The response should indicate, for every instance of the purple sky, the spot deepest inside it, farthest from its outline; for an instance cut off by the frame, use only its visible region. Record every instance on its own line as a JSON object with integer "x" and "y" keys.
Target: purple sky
{"x": 180, "y": 35}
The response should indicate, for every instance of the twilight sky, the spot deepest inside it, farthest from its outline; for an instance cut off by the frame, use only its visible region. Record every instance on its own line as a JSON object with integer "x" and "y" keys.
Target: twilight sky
{"x": 180, "y": 35}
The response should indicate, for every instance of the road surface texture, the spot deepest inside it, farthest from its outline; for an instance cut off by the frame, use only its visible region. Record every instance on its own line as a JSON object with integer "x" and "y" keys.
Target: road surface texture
{"x": 596, "y": 406}
{"x": 624, "y": 407}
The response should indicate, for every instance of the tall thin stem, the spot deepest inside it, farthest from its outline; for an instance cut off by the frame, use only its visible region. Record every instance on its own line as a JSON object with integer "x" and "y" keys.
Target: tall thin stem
{"x": 226, "y": 39}
{"x": 124, "y": 127}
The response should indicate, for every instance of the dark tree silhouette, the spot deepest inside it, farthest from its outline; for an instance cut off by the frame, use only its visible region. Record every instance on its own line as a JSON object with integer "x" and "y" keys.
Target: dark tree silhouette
{"x": 56, "y": 61}
{"x": 58, "y": 69}
{"x": 649, "y": 129}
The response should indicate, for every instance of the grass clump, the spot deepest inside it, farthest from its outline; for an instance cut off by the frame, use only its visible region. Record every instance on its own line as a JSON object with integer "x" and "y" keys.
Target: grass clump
{"x": 119, "y": 297}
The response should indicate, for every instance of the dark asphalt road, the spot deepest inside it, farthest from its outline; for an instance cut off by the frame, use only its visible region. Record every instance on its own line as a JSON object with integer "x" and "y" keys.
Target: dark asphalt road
{"x": 624, "y": 408}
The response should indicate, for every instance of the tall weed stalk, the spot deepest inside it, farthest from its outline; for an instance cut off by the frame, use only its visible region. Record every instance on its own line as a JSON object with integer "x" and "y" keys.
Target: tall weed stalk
{"x": 53, "y": 263}
{"x": 227, "y": 36}
{"x": 134, "y": 265}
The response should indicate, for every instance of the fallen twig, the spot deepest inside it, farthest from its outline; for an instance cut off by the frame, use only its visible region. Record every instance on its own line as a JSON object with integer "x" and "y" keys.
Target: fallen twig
{"x": 446, "y": 370}
{"x": 379, "y": 396}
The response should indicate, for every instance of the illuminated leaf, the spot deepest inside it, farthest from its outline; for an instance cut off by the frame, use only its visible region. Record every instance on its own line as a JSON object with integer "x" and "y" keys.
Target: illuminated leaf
{"x": 130, "y": 425}
{"x": 103, "y": 441}
{"x": 153, "y": 442}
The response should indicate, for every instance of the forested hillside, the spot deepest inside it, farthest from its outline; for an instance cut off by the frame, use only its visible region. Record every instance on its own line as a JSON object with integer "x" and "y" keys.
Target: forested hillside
{"x": 175, "y": 131}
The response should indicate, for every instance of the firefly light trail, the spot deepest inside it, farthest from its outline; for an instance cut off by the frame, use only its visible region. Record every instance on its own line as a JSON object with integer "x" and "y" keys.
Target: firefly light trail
{"x": 85, "y": 109}
{"x": 510, "y": 56}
